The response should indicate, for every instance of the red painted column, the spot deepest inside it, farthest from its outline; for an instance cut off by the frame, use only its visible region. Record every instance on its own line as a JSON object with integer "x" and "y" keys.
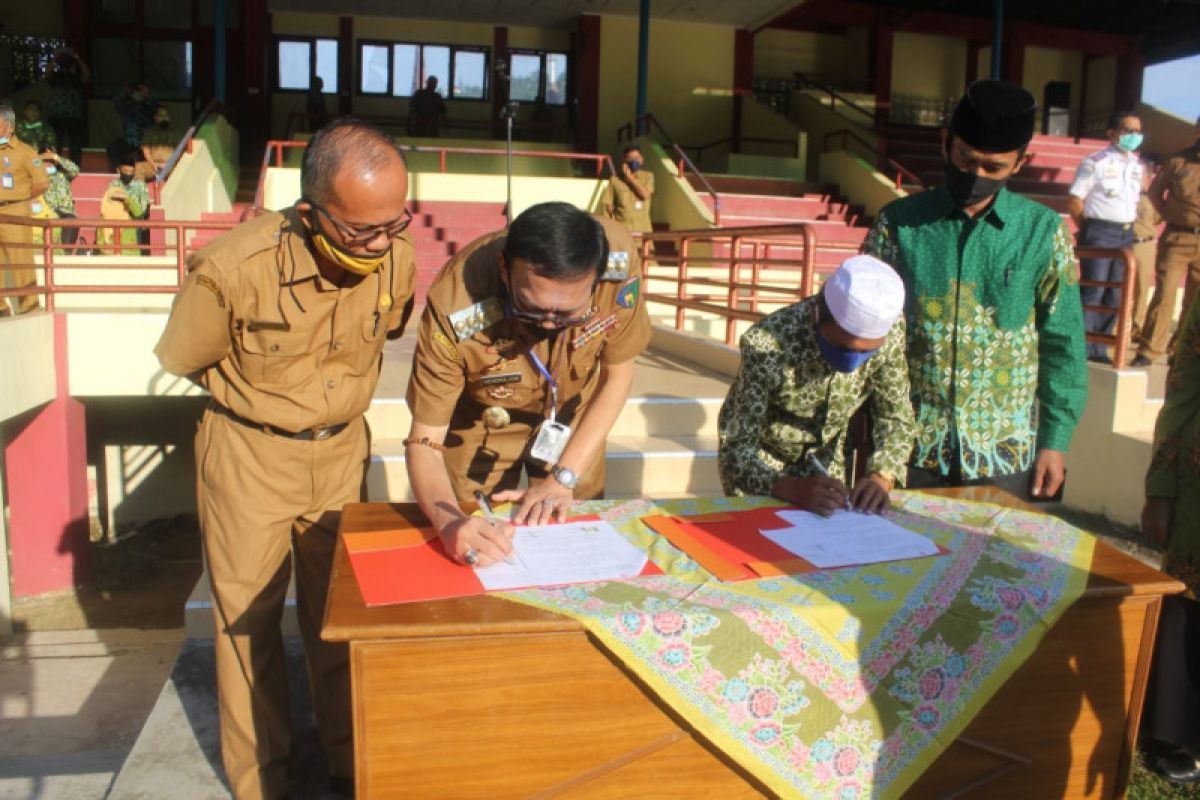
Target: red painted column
{"x": 46, "y": 467}
{"x": 882, "y": 40}
{"x": 743, "y": 80}
{"x": 587, "y": 133}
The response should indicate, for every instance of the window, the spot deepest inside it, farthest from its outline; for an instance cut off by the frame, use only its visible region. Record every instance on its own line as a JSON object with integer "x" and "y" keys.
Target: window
{"x": 536, "y": 72}
{"x": 298, "y": 61}
{"x": 400, "y": 68}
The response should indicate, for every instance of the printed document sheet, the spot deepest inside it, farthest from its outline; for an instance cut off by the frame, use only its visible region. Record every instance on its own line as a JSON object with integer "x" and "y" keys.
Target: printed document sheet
{"x": 846, "y": 538}
{"x": 569, "y": 552}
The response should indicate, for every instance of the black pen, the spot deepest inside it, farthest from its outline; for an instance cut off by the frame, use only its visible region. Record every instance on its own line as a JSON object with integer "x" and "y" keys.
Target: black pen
{"x": 489, "y": 515}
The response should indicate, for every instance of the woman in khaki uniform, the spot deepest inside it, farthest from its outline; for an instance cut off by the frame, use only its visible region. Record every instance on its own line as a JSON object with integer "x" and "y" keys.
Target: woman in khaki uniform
{"x": 283, "y": 320}
{"x": 525, "y": 331}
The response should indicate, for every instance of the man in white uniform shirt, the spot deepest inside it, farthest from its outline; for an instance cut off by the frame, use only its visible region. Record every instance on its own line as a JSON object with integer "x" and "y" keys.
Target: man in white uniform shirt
{"x": 1103, "y": 202}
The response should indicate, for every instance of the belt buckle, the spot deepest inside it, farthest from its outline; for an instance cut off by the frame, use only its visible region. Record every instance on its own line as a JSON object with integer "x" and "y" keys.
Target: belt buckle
{"x": 321, "y": 432}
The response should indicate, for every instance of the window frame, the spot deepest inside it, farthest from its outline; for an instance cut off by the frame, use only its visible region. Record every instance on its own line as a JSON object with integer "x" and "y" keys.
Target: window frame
{"x": 454, "y": 49}
{"x": 541, "y": 55}
{"x": 311, "y": 41}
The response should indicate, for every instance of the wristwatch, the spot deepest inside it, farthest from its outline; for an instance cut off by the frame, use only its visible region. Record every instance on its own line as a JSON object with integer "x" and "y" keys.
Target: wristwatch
{"x": 565, "y": 475}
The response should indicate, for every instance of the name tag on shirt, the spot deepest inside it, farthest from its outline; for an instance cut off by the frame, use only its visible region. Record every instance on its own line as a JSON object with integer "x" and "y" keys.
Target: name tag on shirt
{"x": 6, "y": 181}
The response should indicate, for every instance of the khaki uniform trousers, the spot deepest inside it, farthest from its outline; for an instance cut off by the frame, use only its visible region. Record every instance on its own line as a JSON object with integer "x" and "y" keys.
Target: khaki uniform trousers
{"x": 1178, "y": 255}
{"x": 1143, "y": 283}
{"x": 18, "y": 278}
{"x": 265, "y": 500}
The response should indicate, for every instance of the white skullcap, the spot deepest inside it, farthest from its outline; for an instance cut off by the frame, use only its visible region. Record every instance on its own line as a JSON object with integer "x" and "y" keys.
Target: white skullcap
{"x": 865, "y": 297}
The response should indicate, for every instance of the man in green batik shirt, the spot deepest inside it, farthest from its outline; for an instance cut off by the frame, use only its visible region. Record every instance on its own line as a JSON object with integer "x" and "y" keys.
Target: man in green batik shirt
{"x": 805, "y": 370}
{"x": 995, "y": 324}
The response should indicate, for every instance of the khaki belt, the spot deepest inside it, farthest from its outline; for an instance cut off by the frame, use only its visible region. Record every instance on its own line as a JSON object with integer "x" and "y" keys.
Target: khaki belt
{"x": 314, "y": 434}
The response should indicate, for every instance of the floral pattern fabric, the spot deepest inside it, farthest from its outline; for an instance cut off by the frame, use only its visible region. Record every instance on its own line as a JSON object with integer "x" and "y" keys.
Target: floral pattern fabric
{"x": 841, "y": 683}
{"x": 995, "y": 329}
{"x": 787, "y": 402}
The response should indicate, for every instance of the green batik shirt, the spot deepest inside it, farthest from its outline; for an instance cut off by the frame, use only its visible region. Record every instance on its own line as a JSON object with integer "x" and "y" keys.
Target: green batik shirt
{"x": 58, "y": 196}
{"x": 787, "y": 402}
{"x": 1175, "y": 464}
{"x": 137, "y": 196}
{"x": 995, "y": 323}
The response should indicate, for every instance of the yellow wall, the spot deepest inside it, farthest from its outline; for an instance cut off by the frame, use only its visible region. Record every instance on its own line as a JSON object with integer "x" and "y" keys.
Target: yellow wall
{"x": 690, "y": 84}
{"x": 28, "y": 347}
{"x": 928, "y": 66}
{"x": 817, "y": 120}
{"x": 1165, "y": 132}
{"x": 1043, "y": 64}
{"x": 780, "y": 53}
{"x": 1102, "y": 84}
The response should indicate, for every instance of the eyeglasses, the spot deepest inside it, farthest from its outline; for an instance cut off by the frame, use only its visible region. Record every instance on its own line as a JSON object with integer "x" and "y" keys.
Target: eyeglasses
{"x": 541, "y": 318}
{"x": 361, "y": 237}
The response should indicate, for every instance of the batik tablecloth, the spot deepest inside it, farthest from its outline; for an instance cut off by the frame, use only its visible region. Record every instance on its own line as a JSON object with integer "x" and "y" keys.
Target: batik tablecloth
{"x": 844, "y": 683}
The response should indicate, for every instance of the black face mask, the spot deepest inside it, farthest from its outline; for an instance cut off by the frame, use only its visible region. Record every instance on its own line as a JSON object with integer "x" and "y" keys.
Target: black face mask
{"x": 126, "y": 179}
{"x": 968, "y": 189}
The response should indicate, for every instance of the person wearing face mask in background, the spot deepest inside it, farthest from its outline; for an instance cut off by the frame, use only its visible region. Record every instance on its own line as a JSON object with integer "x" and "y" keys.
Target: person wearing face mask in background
{"x": 1175, "y": 194}
{"x": 806, "y": 369}
{"x": 1104, "y": 204}
{"x": 23, "y": 178}
{"x": 995, "y": 324}
{"x": 125, "y": 198}
{"x": 283, "y": 320}
{"x": 627, "y": 199}
{"x": 524, "y": 359}
{"x": 158, "y": 143}
{"x": 32, "y": 130}
{"x": 137, "y": 114}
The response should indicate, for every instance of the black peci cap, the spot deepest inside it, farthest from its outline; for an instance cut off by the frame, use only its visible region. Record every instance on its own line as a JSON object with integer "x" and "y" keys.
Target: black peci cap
{"x": 994, "y": 116}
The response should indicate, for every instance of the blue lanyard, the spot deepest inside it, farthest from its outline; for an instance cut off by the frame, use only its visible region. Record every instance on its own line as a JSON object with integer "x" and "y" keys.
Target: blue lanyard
{"x": 537, "y": 362}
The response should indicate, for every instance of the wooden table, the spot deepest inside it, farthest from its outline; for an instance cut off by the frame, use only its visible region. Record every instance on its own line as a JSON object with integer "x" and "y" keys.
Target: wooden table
{"x": 482, "y": 697}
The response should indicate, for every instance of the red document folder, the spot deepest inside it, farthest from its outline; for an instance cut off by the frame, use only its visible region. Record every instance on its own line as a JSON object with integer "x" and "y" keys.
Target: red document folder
{"x": 409, "y": 565}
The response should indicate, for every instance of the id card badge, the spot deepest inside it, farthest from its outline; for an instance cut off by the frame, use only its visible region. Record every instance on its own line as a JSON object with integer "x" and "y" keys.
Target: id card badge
{"x": 552, "y": 438}
{"x": 6, "y": 181}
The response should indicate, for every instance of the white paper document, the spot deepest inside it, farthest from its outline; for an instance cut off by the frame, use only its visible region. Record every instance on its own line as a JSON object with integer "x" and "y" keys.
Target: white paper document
{"x": 569, "y": 552}
{"x": 846, "y": 538}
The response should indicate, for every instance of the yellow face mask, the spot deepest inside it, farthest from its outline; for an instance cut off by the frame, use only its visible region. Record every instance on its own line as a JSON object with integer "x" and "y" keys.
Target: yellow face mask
{"x": 360, "y": 265}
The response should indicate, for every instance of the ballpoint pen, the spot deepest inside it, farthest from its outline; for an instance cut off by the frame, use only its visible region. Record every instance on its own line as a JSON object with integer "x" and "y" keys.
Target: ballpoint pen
{"x": 819, "y": 467}
{"x": 489, "y": 515}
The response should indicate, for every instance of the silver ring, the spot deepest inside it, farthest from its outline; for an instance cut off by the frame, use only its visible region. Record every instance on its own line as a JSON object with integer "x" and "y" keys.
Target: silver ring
{"x": 471, "y": 557}
{"x": 549, "y": 501}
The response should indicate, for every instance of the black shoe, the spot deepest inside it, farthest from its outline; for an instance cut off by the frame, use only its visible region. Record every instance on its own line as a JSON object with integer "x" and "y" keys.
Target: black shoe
{"x": 1140, "y": 361}
{"x": 1097, "y": 359}
{"x": 341, "y": 787}
{"x": 1178, "y": 767}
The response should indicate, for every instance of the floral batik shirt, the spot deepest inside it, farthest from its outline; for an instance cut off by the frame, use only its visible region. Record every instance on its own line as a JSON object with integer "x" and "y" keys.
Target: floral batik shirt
{"x": 995, "y": 330}
{"x": 58, "y": 196}
{"x": 787, "y": 402}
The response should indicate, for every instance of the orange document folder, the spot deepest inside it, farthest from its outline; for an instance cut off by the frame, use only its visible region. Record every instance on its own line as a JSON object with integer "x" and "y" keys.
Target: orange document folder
{"x": 409, "y": 565}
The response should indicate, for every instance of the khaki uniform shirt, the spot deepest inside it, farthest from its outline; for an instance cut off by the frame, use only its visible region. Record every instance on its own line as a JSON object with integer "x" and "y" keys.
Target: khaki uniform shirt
{"x": 273, "y": 341}
{"x": 472, "y": 361}
{"x": 20, "y": 171}
{"x": 1180, "y": 177}
{"x": 626, "y": 206}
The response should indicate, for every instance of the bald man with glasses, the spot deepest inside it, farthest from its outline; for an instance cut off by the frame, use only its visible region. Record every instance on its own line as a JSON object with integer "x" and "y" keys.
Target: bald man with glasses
{"x": 283, "y": 321}
{"x": 524, "y": 359}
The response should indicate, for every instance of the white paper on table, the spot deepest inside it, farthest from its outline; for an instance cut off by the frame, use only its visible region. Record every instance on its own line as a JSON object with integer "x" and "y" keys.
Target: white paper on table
{"x": 846, "y": 538}
{"x": 568, "y": 552}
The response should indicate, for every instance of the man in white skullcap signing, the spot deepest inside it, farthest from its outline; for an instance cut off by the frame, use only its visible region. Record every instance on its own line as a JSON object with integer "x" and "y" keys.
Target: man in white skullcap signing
{"x": 805, "y": 370}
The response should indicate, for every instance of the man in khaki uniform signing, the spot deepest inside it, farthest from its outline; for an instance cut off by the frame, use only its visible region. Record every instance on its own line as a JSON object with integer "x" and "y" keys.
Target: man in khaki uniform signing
{"x": 22, "y": 178}
{"x": 283, "y": 320}
{"x": 1175, "y": 194}
{"x": 524, "y": 359}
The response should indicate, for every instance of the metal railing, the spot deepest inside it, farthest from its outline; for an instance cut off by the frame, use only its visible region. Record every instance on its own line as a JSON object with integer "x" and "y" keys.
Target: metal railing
{"x": 171, "y": 257}
{"x": 834, "y": 95}
{"x": 735, "y": 144}
{"x": 214, "y": 107}
{"x": 1123, "y": 329}
{"x": 643, "y": 126}
{"x": 883, "y": 163}
{"x": 273, "y": 156}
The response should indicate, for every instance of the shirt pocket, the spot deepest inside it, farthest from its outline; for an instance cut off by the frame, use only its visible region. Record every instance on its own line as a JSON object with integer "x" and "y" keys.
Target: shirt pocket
{"x": 369, "y": 347}
{"x": 272, "y": 357}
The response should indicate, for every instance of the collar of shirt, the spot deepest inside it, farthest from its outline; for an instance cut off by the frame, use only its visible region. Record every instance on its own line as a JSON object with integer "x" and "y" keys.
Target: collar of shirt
{"x": 302, "y": 264}
{"x": 995, "y": 214}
